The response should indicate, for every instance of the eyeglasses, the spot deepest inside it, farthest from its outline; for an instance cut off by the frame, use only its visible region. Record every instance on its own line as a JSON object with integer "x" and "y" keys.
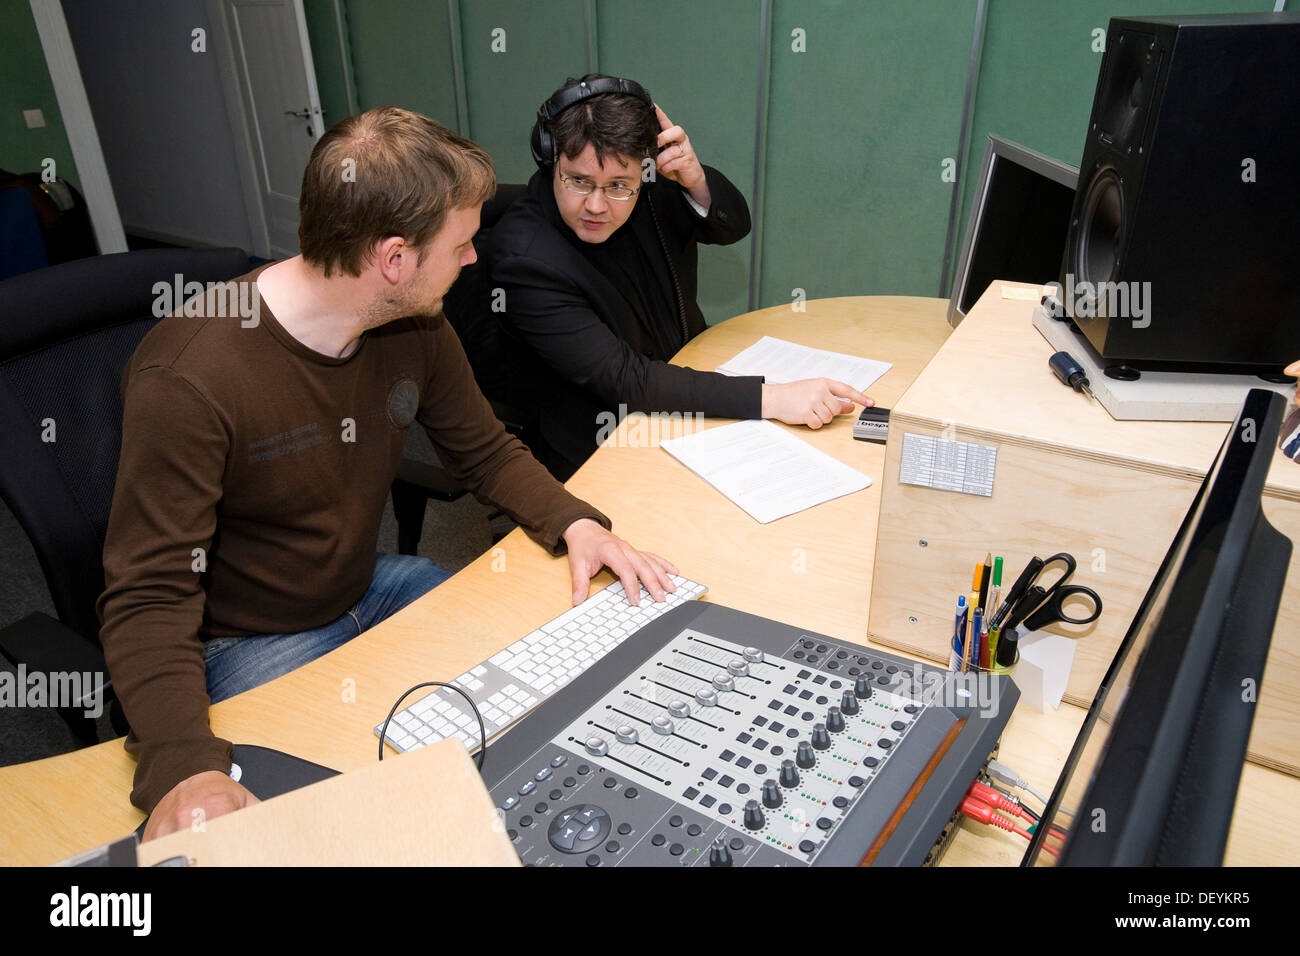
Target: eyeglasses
{"x": 584, "y": 187}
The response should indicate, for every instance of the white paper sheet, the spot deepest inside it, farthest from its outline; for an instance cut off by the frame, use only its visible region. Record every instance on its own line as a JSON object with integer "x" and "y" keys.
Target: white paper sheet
{"x": 779, "y": 361}
{"x": 764, "y": 469}
{"x": 1043, "y": 670}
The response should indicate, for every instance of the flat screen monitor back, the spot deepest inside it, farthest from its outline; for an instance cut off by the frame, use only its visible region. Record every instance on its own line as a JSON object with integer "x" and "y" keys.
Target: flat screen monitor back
{"x": 1152, "y": 777}
{"x": 1018, "y": 224}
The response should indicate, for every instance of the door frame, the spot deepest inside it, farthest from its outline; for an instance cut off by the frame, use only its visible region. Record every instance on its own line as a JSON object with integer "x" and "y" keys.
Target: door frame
{"x": 79, "y": 125}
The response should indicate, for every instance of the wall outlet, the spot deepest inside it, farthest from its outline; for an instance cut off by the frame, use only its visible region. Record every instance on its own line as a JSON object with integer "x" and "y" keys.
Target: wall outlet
{"x": 34, "y": 119}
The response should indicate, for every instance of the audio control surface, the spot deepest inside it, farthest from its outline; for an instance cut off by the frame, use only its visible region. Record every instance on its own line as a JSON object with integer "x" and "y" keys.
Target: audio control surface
{"x": 714, "y": 737}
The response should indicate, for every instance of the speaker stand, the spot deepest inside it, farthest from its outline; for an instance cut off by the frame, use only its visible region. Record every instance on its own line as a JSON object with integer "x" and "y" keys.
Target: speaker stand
{"x": 1277, "y": 378}
{"x": 1122, "y": 373}
{"x": 1155, "y": 396}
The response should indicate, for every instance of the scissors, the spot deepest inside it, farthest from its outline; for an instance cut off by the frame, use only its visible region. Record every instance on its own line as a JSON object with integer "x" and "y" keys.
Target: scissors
{"x": 1030, "y": 606}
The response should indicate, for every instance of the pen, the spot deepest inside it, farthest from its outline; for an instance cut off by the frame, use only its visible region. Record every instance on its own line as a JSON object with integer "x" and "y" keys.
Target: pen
{"x": 1007, "y": 648}
{"x": 997, "y": 587}
{"x": 982, "y": 584}
{"x": 1018, "y": 590}
{"x": 958, "y": 635}
{"x": 977, "y": 624}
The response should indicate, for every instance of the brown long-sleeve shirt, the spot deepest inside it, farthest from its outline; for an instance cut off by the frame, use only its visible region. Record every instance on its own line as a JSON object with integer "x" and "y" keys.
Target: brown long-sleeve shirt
{"x": 252, "y": 479}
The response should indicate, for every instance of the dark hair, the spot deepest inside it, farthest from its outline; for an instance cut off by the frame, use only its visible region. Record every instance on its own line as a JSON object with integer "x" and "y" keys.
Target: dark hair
{"x": 385, "y": 172}
{"x": 614, "y": 123}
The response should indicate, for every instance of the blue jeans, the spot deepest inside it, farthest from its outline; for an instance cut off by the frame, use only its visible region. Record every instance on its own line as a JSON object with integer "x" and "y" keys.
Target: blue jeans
{"x": 237, "y": 664}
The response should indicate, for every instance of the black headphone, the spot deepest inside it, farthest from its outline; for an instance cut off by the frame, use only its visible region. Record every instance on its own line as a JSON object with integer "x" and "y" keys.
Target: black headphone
{"x": 543, "y": 143}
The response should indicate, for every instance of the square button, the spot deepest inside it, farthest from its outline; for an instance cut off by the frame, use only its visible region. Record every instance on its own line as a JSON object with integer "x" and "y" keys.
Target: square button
{"x": 743, "y": 737}
{"x": 743, "y": 762}
{"x": 708, "y": 800}
{"x": 760, "y": 744}
{"x": 690, "y": 793}
{"x": 805, "y": 694}
{"x": 725, "y": 781}
{"x": 789, "y": 689}
{"x": 819, "y": 679}
{"x": 726, "y": 755}
{"x": 709, "y": 774}
{"x": 805, "y": 674}
{"x": 774, "y": 705}
{"x": 791, "y": 710}
{"x": 760, "y": 721}
{"x": 776, "y": 727}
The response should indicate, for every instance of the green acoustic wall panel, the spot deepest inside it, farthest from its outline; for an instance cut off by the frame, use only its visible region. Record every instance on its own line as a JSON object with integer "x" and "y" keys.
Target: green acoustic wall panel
{"x": 860, "y": 126}
{"x": 25, "y": 85}
{"x": 539, "y": 45}
{"x": 700, "y": 62}
{"x": 401, "y": 54}
{"x": 1038, "y": 74}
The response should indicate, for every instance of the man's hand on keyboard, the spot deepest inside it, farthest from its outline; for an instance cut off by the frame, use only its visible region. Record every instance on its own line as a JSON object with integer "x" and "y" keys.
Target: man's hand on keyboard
{"x": 591, "y": 548}
{"x": 200, "y": 797}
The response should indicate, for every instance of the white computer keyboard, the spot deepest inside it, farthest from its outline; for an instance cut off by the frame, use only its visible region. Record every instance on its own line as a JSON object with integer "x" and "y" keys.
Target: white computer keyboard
{"x": 509, "y": 684}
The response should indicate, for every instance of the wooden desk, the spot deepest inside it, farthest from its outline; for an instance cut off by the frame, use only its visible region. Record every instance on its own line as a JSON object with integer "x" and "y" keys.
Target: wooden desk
{"x": 812, "y": 569}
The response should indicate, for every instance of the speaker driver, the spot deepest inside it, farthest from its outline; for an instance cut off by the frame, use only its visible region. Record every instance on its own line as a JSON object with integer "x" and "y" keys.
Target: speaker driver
{"x": 1099, "y": 233}
{"x": 1123, "y": 103}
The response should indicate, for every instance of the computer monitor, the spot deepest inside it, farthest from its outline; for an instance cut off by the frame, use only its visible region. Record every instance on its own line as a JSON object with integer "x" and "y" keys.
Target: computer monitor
{"x": 1152, "y": 778}
{"x": 1017, "y": 228}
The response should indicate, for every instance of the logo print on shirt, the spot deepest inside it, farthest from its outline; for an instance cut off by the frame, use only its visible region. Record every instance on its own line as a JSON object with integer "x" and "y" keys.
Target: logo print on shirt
{"x": 403, "y": 402}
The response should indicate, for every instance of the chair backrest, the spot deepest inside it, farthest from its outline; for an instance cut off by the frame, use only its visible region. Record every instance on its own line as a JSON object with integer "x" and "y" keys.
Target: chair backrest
{"x": 66, "y": 333}
{"x": 468, "y": 307}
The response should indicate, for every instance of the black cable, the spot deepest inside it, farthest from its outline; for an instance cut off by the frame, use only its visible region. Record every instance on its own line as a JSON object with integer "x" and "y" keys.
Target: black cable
{"x": 482, "y": 731}
{"x": 672, "y": 270}
{"x": 992, "y": 785}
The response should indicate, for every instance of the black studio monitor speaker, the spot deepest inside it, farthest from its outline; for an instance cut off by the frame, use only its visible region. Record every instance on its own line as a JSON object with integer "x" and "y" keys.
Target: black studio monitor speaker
{"x": 1184, "y": 242}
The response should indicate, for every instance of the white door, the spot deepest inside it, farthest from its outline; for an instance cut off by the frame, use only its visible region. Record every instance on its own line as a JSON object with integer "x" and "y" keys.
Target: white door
{"x": 266, "y": 62}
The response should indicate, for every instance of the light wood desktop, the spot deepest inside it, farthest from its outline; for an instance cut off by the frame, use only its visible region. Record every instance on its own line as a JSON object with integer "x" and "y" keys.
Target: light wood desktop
{"x": 348, "y": 820}
{"x": 812, "y": 569}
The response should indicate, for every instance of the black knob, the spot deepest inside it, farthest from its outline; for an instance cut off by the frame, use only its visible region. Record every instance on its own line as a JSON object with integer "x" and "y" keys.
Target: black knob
{"x": 862, "y": 687}
{"x": 834, "y": 720}
{"x": 804, "y": 755}
{"x": 789, "y": 775}
{"x": 753, "y": 815}
{"x": 772, "y": 793}
{"x": 849, "y": 703}
{"x": 719, "y": 855}
{"x": 820, "y": 738}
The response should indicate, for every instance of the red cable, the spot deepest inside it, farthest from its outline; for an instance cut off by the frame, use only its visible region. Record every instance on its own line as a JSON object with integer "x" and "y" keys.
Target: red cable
{"x": 1000, "y": 801}
{"x": 981, "y": 812}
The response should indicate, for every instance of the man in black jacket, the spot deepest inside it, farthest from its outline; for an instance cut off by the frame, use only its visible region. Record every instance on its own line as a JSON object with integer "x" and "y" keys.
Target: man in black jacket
{"x": 597, "y": 262}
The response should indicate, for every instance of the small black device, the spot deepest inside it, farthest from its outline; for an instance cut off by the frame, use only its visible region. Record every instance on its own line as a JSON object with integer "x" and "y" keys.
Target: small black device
{"x": 872, "y": 425}
{"x": 1188, "y": 207}
{"x": 1152, "y": 778}
{"x": 1070, "y": 372}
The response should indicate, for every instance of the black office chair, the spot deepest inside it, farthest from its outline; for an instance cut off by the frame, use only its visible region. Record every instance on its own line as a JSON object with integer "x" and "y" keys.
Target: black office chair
{"x": 468, "y": 307}
{"x": 66, "y": 333}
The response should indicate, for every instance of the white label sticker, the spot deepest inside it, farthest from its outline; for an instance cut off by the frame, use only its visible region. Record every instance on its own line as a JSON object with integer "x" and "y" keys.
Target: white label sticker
{"x": 948, "y": 465}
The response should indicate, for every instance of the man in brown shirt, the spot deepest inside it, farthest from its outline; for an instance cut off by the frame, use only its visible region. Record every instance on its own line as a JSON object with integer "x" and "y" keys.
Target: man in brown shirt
{"x": 263, "y": 425}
